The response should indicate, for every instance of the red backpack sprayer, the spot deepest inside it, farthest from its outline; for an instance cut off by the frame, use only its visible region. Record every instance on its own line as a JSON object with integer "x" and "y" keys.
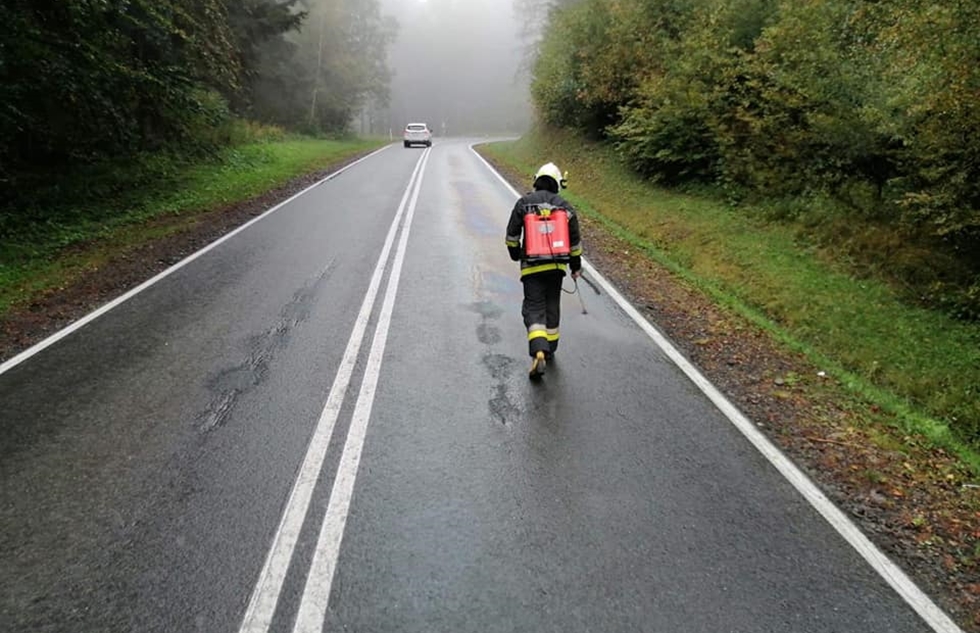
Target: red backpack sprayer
{"x": 546, "y": 239}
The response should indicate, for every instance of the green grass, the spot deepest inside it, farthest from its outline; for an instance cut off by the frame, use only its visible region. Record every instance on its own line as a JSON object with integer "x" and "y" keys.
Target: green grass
{"x": 80, "y": 221}
{"x": 921, "y": 366}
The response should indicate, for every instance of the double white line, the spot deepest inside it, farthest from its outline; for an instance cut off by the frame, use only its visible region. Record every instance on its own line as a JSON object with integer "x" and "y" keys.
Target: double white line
{"x": 316, "y": 592}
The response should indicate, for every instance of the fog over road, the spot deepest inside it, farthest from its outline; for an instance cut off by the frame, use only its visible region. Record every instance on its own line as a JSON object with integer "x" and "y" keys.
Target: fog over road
{"x": 457, "y": 66}
{"x": 324, "y": 422}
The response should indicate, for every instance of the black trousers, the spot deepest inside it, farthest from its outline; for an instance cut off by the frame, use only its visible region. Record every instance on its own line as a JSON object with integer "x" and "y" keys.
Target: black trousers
{"x": 542, "y": 310}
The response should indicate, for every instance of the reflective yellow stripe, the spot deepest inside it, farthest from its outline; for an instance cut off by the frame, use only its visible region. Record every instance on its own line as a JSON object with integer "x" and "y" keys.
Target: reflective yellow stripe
{"x": 513, "y": 244}
{"x": 576, "y": 252}
{"x": 536, "y": 334}
{"x": 552, "y": 337}
{"x": 530, "y": 270}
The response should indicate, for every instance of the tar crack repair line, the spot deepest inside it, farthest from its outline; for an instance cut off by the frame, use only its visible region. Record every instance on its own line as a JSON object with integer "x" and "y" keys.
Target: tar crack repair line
{"x": 231, "y": 383}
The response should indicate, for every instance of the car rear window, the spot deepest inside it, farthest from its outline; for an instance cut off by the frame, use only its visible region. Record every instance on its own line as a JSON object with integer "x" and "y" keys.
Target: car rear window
{"x": 416, "y": 128}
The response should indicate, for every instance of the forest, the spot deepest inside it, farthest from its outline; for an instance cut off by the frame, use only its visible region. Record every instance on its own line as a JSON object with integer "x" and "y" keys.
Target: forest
{"x": 849, "y": 117}
{"x": 83, "y": 82}
{"x": 858, "y": 120}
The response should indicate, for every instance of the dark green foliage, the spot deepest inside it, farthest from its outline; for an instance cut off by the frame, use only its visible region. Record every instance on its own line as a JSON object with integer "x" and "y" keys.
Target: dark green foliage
{"x": 874, "y": 105}
{"x": 667, "y": 131}
{"x": 557, "y": 74}
{"x": 258, "y": 26}
{"x": 342, "y": 56}
{"x": 596, "y": 54}
{"x": 85, "y": 82}
{"x": 935, "y": 79}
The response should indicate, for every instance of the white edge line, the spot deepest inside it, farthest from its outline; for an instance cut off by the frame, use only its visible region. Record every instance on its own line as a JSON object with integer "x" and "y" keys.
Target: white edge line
{"x": 886, "y": 568}
{"x": 265, "y": 596}
{"x": 91, "y": 316}
{"x": 312, "y": 611}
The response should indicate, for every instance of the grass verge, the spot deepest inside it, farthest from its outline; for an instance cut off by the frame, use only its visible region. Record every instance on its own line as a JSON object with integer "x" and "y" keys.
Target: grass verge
{"x": 921, "y": 366}
{"x": 82, "y": 221}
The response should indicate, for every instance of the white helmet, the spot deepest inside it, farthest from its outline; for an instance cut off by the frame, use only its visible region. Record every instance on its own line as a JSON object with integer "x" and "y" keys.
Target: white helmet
{"x": 551, "y": 171}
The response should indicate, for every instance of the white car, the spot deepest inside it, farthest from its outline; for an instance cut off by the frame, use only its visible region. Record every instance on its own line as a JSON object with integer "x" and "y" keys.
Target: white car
{"x": 418, "y": 134}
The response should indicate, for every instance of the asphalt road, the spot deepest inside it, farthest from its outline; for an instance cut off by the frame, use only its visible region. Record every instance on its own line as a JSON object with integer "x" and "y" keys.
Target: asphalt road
{"x": 283, "y": 435}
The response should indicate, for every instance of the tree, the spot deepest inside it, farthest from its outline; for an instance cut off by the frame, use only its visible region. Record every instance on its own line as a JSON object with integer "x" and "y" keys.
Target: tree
{"x": 85, "y": 80}
{"x": 596, "y": 53}
{"x": 259, "y": 27}
{"x": 320, "y": 77}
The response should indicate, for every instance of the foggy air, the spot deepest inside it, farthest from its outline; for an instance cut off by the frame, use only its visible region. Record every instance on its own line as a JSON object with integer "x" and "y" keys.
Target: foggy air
{"x": 456, "y": 66}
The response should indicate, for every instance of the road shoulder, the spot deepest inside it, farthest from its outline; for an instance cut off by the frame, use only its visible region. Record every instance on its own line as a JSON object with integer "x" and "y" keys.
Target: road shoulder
{"x": 906, "y": 496}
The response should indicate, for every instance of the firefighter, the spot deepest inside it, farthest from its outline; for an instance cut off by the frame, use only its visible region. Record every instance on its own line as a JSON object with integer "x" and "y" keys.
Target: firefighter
{"x": 542, "y": 271}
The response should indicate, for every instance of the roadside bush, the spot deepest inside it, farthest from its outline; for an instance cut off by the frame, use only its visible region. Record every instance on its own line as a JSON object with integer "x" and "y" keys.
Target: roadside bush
{"x": 933, "y": 81}
{"x": 596, "y": 55}
{"x": 242, "y": 131}
{"x": 557, "y": 79}
{"x": 667, "y": 131}
{"x": 869, "y": 105}
{"x": 667, "y": 135}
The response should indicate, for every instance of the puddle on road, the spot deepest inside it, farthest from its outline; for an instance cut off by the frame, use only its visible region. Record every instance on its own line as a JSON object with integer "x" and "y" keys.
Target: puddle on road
{"x": 476, "y": 214}
{"x": 500, "y": 284}
{"x": 486, "y": 309}
{"x": 506, "y": 287}
{"x": 501, "y": 406}
{"x": 488, "y": 334}
{"x": 500, "y": 366}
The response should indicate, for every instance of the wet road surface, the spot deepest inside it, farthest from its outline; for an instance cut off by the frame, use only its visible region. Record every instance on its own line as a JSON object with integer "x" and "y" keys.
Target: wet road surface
{"x": 325, "y": 423}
